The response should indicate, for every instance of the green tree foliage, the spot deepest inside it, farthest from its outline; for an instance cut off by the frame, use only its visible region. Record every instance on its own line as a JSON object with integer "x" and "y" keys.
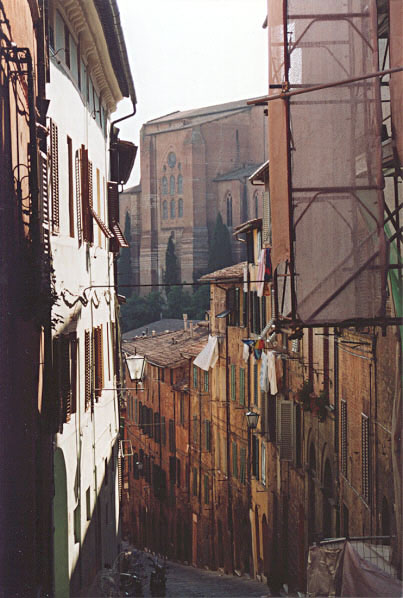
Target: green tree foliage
{"x": 220, "y": 253}
{"x": 124, "y": 265}
{"x": 172, "y": 270}
{"x": 178, "y": 302}
{"x": 139, "y": 311}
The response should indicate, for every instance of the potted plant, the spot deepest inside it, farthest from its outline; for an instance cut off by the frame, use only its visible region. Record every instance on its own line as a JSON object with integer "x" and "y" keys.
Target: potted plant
{"x": 304, "y": 395}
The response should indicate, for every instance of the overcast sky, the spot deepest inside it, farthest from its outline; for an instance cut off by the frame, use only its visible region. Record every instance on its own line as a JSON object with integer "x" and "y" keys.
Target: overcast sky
{"x": 191, "y": 53}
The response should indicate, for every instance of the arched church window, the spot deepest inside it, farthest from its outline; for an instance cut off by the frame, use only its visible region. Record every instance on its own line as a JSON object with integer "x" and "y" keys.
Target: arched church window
{"x": 229, "y": 209}
{"x": 164, "y": 185}
{"x": 180, "y": 183}
{"x": 172, "y": 208}
{"x": 172, "y": 184}
{"x": 164, "y": 209}
{"x": 180, "y": 208}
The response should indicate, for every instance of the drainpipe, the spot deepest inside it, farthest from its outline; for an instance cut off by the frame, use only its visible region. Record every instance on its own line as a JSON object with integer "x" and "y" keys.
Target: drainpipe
{"x": 228, "y": 425}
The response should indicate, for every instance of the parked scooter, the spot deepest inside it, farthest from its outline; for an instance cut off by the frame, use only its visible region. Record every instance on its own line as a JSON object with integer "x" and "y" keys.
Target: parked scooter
{"x": 158, "y": 578}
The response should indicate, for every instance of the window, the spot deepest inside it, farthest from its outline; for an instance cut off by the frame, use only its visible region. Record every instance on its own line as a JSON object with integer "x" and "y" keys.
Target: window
{"x": 172, "y": 439}
{"x": 77, "y": 524}
{"x": 164, "y": 185}
{"x": 67, "y": 45}
{"x": 255, "y": 456}
{"x": 242, "y": 473}
{"x": 88, "y": 503}
{"x": 207, "y": 435}
{"x": 182, "y": 409}
{"x": 244, "y": 309}
{"x": 206, "y": 490}
{"x": 180, "y": 208}
{"x": 234, "y": 460}
{"x": 87, "y": 361}
{"x": 194, "y": 482}
{"x": 157, "y": 428}
{"x": 172, "y": 470}
{"x": 241, "y": 386}
{"x": 343, "y": 432}
{"x": 97, "y": 337}
{"x": 71, "y": 186}
{"x": 195, "y": 381}
{"x": 195, "y": 429}
{"x": 65, "y": 375}
{"x": 263, "y": 464}
{"x": 163, "y": 431}
{"x": 173, "y": 210}
{"x": 256, "y": 204}
{"x": 365, "y": 457}
{"x": 180, "y": 183}
{"x": 172, "y": 185}
{"x": 206, "y": 381}
{"x": 233, "y": 382}
{"x": 272, "y": 417}
{"x": 229, "y": 209}
{"x": 286, "y": 429}
{"x": 178, "y": 472}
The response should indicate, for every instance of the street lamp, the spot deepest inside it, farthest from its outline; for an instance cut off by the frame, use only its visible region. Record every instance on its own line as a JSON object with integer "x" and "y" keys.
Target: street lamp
{"x": 252, "y": 419}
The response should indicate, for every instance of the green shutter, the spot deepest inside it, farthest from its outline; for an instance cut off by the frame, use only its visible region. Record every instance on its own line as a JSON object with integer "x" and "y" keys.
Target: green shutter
{"x": 234, "y": 460}
{"x": 206, "y": 381}
{"x": 242, "y": 386}
{"x": 233, "y": 384}
{"x": 194, "y": 376}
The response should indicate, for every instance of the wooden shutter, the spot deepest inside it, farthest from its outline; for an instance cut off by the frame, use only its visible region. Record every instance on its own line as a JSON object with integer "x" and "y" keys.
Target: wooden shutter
{"x": 65, "y": 381}
{"x": 87, "y": 358}
{"x": 243, "y": 465}
{"x": 44, "y": 203}
{"x": 54, "y": 157}
{"x": 365, "y": 456}
{"x": 286, "y": 440}
{"x": 207, "y": 434}
{"x": 266, "y": 219}
{"x": 255, "y": 384}
{"x": 310, "y": 355}
{"x": 86, "y": 196}
{"x": 78, "y": 198}
{"x": 326, "y": 359}
{"x": 99, "y": 362}
{"x": 343, "y": 439}
{"x": 255, "y": 456}
{"x": 234, "y": 460}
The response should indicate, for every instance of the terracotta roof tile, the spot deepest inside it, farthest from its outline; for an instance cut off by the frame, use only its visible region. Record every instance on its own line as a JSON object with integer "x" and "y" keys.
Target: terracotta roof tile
{"x": 234, "y": 272}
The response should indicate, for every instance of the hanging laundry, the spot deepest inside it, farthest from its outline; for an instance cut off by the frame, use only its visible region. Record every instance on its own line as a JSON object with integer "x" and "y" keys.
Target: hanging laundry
{"x": 271, "y": 372}
{"x": 264, "y": 379}
{"x": 268, "y": 271}
{"x": 245, "y": 352}
{"x": 207, "y": 358}
{"x": 260, "y": 273}
{"x": 257, "y": 348}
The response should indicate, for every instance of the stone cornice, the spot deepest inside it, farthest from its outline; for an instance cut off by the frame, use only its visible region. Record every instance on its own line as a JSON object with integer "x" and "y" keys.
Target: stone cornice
{"x": 86, "y": 26}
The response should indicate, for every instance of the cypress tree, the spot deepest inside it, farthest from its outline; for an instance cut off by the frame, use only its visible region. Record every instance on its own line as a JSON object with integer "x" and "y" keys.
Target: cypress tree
{"x": 172, "y": 271}
{"x": 220, "y": 252}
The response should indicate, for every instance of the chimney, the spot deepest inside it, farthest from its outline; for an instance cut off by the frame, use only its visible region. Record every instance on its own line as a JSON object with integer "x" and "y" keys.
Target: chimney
{"x": 191, "y": 328}
{"x": 185, "y": 321}
{"x": 153, "y": 332}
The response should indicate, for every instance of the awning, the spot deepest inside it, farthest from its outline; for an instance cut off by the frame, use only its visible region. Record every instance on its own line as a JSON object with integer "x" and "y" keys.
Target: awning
{"x": 107, "y": 232}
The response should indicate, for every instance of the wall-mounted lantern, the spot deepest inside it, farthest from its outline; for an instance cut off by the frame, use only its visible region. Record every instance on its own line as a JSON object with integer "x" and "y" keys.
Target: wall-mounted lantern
{"x": 252, "y": 418}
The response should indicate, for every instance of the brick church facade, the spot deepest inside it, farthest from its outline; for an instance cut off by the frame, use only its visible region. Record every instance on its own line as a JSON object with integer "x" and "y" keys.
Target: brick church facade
{"x": 194, "y": 164}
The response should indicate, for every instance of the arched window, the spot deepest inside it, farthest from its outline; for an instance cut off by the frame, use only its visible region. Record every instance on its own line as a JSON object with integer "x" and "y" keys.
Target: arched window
{"x": 256, "y": 202}
{"x": 180, "y": 183}
{"x": 172, "y": 184}
{"x": 164, "y": 209}
{"x": 164, "y": 185}
{"x": 180, "y": 208}
{"x": 229, "y": 209}
{"x": 172, "y": 208}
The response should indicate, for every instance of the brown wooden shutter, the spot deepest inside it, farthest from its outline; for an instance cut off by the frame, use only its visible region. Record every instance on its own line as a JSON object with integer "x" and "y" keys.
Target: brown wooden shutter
{"x": 54, "y": 153}
{"x": 343, "y": 432}
{"x": 326, "y": 359}
{"x": 71, "y": 186}
{"x": 44, "y": 203}
{"x": 99, "y": 366}
{"x": 86, "y": 196}
{"x": 78, "y": 198}
{"x": 365, "y": 456}
{"x": 286, "y": 431}
{"x": 65, "y": 379}
{"x": 113, "y": 216}
{"x": 73, "y": 372}
{"x": 87, "y": 351}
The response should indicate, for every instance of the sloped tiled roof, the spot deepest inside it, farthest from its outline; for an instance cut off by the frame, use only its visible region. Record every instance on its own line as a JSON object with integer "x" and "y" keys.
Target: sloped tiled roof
{"x": 219, "y": 110}
{"x": 168, "y": 349}
{"x": 159, "y": 326}
{"x": 239, "y": 173}
{"x": 234, "y": 272}
{"x": 249, "y": 225}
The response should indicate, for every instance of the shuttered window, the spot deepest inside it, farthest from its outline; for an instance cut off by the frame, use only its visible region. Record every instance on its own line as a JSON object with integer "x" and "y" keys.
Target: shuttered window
{"x": 272, "y": 417}
{"x": 195, "y": 430}
{"x": 242, "y": 386}
{"x": 207, "y": 435}
{"x": 206, "y": 381}
{"x": 86, "y": 196}
{"x": 163, "y": 431}
{"x": 365, "y": 457}
{"x": 326, "y": 359}
{"x": 206, "y": 489}
{"x": 234, "y": 460}
{"x": 98, "y": 360}
{"x": 343, "y": 439}
{"x": 87, "y": 360}
{"x": 244, "y": 309}
{"x": 118, "y": 240}
{"x": 195, "y": 376}
{"x": 194, "y": 482}
{"x": 54, "y": 165}
{"x": 285, "y": 430}
{"x": 71, "y": 186}
{"x": 263, "y": 464}
{"x": 172, "y": 439}
{"x": 78, "y": 197}
{"x": 310, "y": 355}
{"x": 233, "y": 382}
{"x": 44, "y": 202}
